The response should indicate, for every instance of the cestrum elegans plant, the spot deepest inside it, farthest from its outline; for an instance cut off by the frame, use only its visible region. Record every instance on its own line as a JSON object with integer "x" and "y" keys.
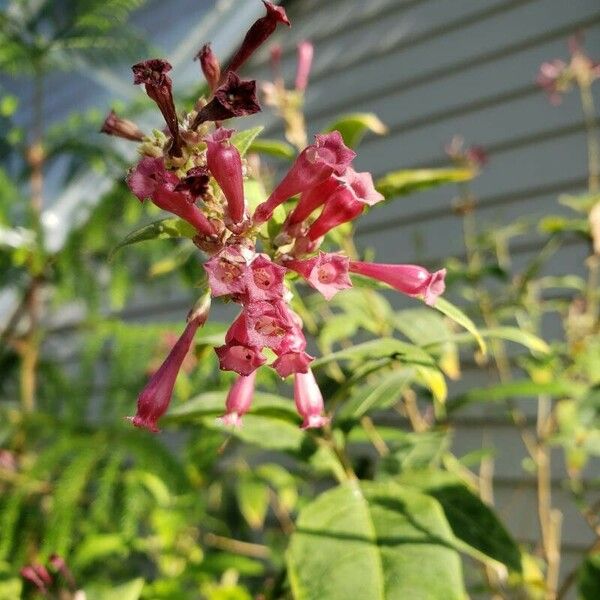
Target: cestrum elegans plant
{"x": 194, "y": 170}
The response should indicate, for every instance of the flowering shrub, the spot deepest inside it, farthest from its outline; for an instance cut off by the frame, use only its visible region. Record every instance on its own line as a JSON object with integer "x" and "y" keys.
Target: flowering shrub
{"x": 351, "y": 491}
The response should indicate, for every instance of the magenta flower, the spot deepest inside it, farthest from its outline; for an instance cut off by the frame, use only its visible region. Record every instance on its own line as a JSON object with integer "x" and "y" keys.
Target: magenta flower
{"x": 123, "y": 128}
{"x": 239, "y": 399}
{"x": 38, "y": 576}
{"x": 553, "y": 79}
{"x": 305, "y": 57}
{"x": 234, "y": 98}
{"x": 311, "y": 200}
{"x": 240, "y": 358}
{"x": 225, "y": 164}
{"x": 289, "y": 363}
{"x": 209, "y": 63}
{"x": 153, "y": 74}
{"x": 267, "y": 323}
{"x": 226, "y": 272}
{"x": 151, "y": 180}
{"x": 148, "y": 175}
{"x": 411, "y": 280}
{"x": 328, "y": 155}
{"x": 155, "y": 398}
{"x": 327, "y": 273}
{"x": 346, "y": 203}
{"x": 258, "y": 34}
{"x": 309, "y": 400}
{"x": 264, "y": 279}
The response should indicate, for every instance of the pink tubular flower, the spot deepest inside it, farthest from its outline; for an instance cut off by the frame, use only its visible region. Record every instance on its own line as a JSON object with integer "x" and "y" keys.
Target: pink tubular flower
{"x": 305, "y": 57}
{"x": 38, "y": 576}
{"x": 309, "y": 400}
{"x": 264, "y": 279}
{"x": 239, "y": 399}
{"x": 155, "y": 398}
{"x": 225, "y": 164}
{"x": 346, "y": 203}
{"x": 411, "y": 280}
{"x": 314, "y": 165}
{"x": 234, "y": 98}
{"x": 258, "y": 34}
{"x": 153, "y": 74}
{"x": 123, "y": 128}
{"x": 327, "y": 273}
{"x": 210, "y": 66}
{"x": 311, "y": 200}
{"x": 240, "y": 358}
{"x": 151, "y": 180}
{"x": 290, "y": 363}
{"x": 226, "y": 272}
{"x": 268, "y": 323}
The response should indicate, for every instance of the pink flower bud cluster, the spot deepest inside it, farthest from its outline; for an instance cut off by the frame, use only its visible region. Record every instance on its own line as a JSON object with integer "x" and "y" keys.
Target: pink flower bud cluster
{"x": 250, "y": 259}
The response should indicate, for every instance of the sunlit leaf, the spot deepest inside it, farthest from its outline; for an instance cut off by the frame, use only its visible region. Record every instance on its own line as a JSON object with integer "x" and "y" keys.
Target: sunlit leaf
{"x": 275, "y": 148}
{"x": 399, "y": 183}
{"x": 458, "y": 316}
{"x": 399, "y": 537}
{"x": 159, "y": 230}
{"x": 355, "y": 126}
{"x": 242, "y": 140}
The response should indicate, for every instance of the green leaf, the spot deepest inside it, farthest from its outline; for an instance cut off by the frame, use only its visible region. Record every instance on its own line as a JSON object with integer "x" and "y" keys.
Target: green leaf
{"x": 253, "y": 500}
{"x": 400, "y": 183}
{"x": 375, "y": 541}
{"x": 588, "y": 578}
{"x": 471, "y": 520}
{"x": 516, "y": 389}
{"x": 560, "y": 224}
{"x": 132, "y": 590}
{"x": 159, "y": 230}
{"x": 519, "y": 336}
{"x": 458, "y": 316}
{"x": 354, "y": 127}
{"x": 382, "y": 394}
{"x": 242, "y": 140}
{"x": 275, "y": 148}
{"x": 375, "y": 349}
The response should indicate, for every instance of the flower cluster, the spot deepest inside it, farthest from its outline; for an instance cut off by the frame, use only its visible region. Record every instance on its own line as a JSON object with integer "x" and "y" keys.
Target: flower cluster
{"x": 556, "y": 77}
{"x": 195, "y": 171}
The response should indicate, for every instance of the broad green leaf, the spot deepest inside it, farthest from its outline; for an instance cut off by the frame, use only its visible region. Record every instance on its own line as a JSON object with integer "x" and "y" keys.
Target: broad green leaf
{"x": 458, "y": 316}
{"x": 516, "y": 389}
{"x": 400, "y": 183}
{"x": 588, "y": 578}
{"x": 242, "y": 140}
{"x": 132, "y": 590}
{"x": 375, "y": 349}
{"x": 519, "y": 336}
{"x": 382, "y": 394}
{"x": 355, "y": 126}
{"x": 414, "y": 451}
{"x": 253, "y": 500}
{"x": 373, "y": 541}
{"x": 159, "y": 230}
{"x": 273, "y": 148}
{"x": 472, "y": 521}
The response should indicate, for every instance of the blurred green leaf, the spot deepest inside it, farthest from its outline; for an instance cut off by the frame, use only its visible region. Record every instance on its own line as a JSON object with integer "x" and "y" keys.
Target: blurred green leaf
{"x": 400, "y": 183}
{"x": 588, "y": 578}
{"x": 159, "y": 230}
{"x": 275, "y": 148}
{"x": 560, "y": 224}
{"x": 242, "y": 140}
{"x": 355, "y": 126}
{"x": 253, "y": 500}
{"x": 457, "y": 315}
{"x": 132, "y": 590}
{"x": 399, "y": 537}
{"x": 472, "y": 521}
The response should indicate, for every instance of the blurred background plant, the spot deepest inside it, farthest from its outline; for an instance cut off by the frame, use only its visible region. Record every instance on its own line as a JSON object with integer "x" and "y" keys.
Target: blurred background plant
{"x": 203, "y": 511}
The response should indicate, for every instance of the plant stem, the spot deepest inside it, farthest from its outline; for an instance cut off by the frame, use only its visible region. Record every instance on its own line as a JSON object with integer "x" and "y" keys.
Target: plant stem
{"x": 593, "y": 145}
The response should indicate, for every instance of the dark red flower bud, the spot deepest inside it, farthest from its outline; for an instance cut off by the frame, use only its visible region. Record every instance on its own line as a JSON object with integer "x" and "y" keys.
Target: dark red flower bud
{"x": 38, "y": 576}
{"x": 123, "y": 128}
{"x": 153, "y": 74}
{"x": 209, "y": 63}
{"x": 195, "y": 183}
{"x": 258, "y": 34}
{"x": 234, "y": 98}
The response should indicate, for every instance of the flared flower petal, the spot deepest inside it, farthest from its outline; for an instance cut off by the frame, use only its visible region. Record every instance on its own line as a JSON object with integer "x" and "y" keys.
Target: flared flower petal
{"x": 327, "y": 272}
